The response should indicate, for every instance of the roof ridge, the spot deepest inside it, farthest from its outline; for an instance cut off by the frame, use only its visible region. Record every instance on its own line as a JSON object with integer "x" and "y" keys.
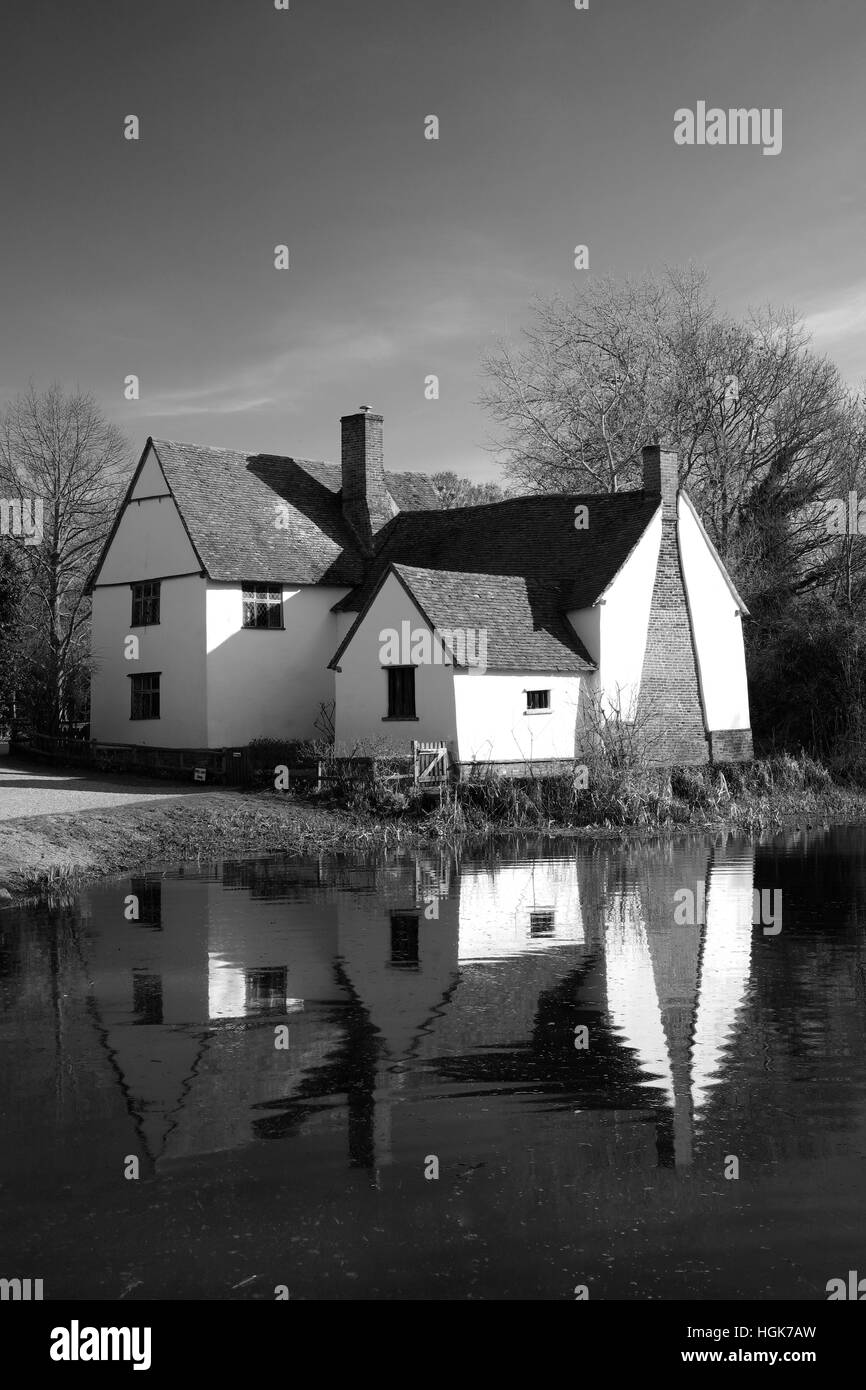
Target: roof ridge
{"x": 281, "y": 458}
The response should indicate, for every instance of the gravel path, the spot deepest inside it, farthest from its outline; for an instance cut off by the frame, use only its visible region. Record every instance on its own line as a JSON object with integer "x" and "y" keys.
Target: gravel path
{"x": 32, "y": 789}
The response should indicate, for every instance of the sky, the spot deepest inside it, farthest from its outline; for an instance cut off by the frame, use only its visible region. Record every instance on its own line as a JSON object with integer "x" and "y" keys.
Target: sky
{"x": 407, "y": 257}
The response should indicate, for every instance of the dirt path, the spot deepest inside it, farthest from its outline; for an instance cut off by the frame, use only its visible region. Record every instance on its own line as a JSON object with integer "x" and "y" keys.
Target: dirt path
{"x": 34, "y": 789}
{"x": 116, "y": 827}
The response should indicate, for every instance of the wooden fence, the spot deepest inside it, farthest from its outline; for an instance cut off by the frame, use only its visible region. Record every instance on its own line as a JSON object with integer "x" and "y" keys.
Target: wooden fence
{"x": 428, "y": 765}
{"x": 62, "y": 748}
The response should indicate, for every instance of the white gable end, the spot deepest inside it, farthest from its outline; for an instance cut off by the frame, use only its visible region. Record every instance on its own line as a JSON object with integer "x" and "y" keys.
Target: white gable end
{"x": 362, "y": 682}
{"x": 150, "y": 541}
{"x": 151, "y": 479}
{"x": 717, "y": 627}
{"x": 614, "y": 631}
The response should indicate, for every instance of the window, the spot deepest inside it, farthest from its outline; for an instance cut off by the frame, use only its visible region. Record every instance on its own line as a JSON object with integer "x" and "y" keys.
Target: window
{"x": 404, "y": 938}
{"x": 263, "y": 606}
{"x": 541, "y": 922}
{"x": 145, "y": 696}
{"x": 145, "y": 604}
{"x": 537, "y": 699}
{"x": 401, "y": 692}
{"x": 266, "y": 989}
{"x": 146, "y": 997}
{"x": 149, "y": 894}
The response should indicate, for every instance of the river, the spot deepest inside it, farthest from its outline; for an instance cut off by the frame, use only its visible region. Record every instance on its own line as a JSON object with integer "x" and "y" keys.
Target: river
{"x": 536, "y": 1073}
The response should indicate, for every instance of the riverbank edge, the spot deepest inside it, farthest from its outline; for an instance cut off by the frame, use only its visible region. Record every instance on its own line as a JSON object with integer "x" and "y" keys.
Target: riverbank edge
{"x": 43, "y": 857}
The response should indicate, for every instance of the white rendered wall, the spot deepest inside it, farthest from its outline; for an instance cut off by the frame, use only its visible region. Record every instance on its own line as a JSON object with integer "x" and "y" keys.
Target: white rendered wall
{"x": 175, "y": 647}
{"x": 150, "y": 543}
{"x": 151, "y": 480}
{"x": 496, "y": 908}
{"x": 263, "y": 682}
{"x": 718, "y": 629}
{"x": 624, "y": 619}
{"x": 362, "y": 685}
{"x": 493, "y": 724}
{"x": 587, "y": 624}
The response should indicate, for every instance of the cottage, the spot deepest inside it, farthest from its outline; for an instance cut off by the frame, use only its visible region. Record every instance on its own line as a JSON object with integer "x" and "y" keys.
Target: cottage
{"x": 260, "y": 588}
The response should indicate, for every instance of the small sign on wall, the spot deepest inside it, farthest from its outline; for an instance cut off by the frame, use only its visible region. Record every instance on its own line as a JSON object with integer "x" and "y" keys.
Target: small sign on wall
{"x": 199, "y": 774}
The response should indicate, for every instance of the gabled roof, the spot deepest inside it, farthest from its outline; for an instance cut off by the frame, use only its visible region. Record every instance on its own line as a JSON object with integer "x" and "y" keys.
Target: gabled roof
{"x": 522, "y": 619}
{"x": 533, "y": 538}
{"x": 231, "y": 502}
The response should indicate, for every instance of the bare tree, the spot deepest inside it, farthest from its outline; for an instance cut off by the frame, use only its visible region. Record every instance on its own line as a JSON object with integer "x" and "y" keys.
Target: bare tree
{"x": 11, "y": 595}
{"x": 59, "y": 453}
{"x": 594, "y": 380}
{"x": 454, "y": 491}
{"x": 753, "y": 413}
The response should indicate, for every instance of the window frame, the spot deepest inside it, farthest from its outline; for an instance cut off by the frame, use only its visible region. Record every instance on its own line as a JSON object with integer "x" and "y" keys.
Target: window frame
{"x": 538, "y": 709}
{"x": 265, "y": 989}
{"x": 140, "y": 676}
{"x": 249, "y": 593}
{"x": 393, "y": 691}
{"x": 405, "y": 940}
{"x": 143, "y": 603}
{"x": 542, "y": 922}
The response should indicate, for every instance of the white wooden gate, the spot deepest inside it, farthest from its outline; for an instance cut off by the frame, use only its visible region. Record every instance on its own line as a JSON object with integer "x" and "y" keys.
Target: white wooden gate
{"x": 430, "y": 761}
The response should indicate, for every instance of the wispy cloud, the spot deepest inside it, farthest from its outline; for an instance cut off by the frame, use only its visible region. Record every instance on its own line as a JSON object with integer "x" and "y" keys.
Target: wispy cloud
{"x": 844, "y": 317}
{"x": 274, "y": 376}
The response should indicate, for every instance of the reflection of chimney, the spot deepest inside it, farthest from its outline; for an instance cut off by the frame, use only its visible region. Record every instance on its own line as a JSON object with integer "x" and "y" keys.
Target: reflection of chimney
{"x": 367, "y": 504}
{"x": 661, "y": 477}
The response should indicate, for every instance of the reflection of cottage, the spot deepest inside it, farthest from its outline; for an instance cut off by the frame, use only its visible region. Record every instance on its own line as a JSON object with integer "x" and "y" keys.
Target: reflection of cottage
{"x": 256, "y": 588}
{"x": 387, "y": 974}
{"x": 190, "y": 1025}
{"x": 674, "y": 991}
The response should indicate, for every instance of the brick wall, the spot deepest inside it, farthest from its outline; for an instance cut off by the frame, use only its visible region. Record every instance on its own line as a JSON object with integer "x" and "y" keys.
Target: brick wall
{"x": 670, "y": 706}
{"x": 539, "y": 767}
{"x": 731, "y": 746}
{"x": 367, "y": 504}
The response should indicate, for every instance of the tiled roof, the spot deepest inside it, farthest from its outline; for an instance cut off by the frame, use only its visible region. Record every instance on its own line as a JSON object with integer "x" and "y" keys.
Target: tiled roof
{"x": 532, "y": 538}
{"x": 523, "y": 619}
{"x": 229, "y": 502}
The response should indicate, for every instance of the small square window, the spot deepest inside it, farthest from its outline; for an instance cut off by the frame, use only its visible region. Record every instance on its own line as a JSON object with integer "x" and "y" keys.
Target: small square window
{"x": 266, "y": 989}
{"x": 401, "y": 692}
{"x": 263, "y": 606}
{"x": 541, "y": 922}
{"x": 538, "y": 699}
{"x": 145, "y": 696}
{"x": 145, "y": 604}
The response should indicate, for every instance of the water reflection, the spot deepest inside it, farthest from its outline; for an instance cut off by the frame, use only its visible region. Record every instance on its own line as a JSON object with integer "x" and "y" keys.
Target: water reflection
{"x": 431, "y": 1005}
{"x": 411, "y": 974}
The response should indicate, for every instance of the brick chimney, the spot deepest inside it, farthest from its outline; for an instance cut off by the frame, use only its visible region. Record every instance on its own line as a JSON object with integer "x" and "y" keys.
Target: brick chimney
{"x": 661, "y": 476}
{"x": 367, "y": 505}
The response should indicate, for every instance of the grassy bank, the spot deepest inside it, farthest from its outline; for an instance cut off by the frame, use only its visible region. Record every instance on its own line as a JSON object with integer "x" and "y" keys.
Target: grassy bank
{"x": 49, "y": 854}
{"x": 752, "y": 797}
{"x": 53, "y": 854}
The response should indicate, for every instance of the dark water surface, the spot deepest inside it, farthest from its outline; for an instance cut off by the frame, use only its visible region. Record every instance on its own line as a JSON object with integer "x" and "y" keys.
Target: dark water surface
{"x": 432, "y": 1006}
